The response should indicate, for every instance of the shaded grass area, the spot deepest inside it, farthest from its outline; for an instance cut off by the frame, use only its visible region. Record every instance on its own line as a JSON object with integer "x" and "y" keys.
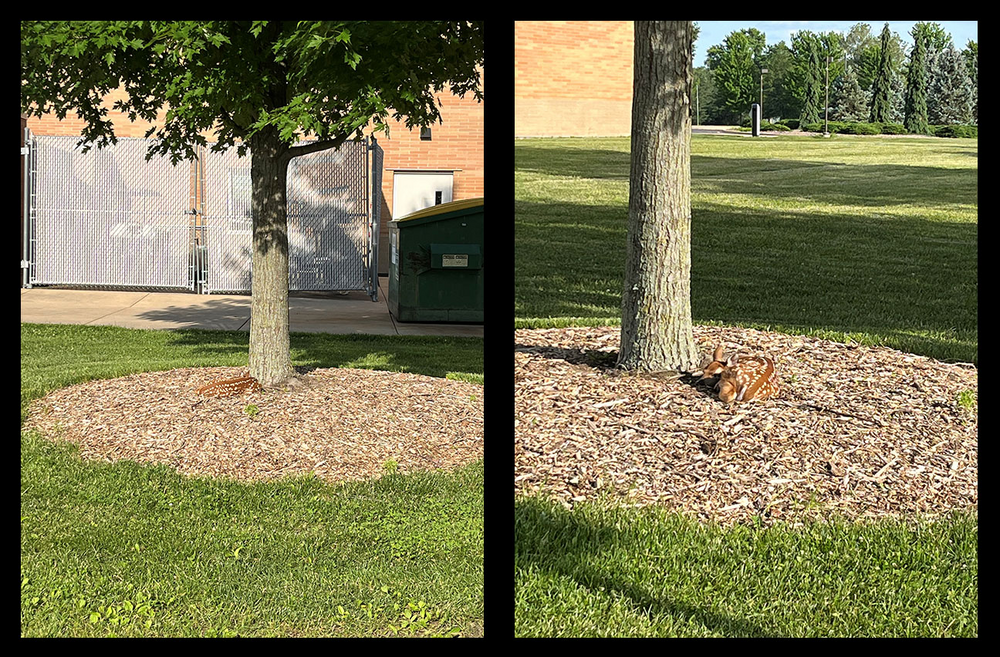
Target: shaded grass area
{"x": 872, "y": 240}
{"x": 55, "y": 355}
{"x": 138, "y": 550}
{"x": 605, "y": 571}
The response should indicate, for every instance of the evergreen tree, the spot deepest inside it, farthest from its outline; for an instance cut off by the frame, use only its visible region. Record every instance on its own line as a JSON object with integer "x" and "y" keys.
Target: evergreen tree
{"x": 882, "y": 85}
{"x": 897, "y": 96}
{"x": 936, "y": 41}
{"x": 850, "y": 101}
{"x": 953, "y": 89}
{"x": 915, "y": 113}
{"x": 971, "y": 54}
{"x": 933, "y": 73}
{"x": 813, "y": 85}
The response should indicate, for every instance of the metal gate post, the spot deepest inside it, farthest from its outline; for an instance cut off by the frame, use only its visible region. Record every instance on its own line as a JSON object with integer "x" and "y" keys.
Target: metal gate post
{"x": 373, "y": 186}
{"x": 197, "y": 210}
{"x": 26, "y": 151}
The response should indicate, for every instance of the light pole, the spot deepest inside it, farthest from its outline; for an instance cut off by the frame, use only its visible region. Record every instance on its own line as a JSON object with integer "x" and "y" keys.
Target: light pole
{"x": 697, "y": 102}
{"x": 826, "y": 103}
{"x": 762, "y": 72}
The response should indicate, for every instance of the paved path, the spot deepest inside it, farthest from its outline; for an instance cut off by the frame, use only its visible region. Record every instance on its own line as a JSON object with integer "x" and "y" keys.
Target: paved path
{"x": 716, "y": 130}
{"x": 353, "y": 312}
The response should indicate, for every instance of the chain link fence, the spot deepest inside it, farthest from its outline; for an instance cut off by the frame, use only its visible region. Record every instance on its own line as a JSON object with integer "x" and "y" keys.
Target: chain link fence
{"x": 109, "y": 218}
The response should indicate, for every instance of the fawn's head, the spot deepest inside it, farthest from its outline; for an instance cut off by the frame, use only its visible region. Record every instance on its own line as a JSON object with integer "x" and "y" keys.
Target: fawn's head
{"x": 718, "y": 366}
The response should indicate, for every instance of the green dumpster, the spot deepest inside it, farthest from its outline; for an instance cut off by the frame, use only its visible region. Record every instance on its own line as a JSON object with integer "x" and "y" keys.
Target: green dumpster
{"x": 436, "y": 264}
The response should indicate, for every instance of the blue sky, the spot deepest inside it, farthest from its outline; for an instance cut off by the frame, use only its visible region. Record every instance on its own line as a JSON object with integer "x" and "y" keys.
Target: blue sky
{"x": 713, "y": 33}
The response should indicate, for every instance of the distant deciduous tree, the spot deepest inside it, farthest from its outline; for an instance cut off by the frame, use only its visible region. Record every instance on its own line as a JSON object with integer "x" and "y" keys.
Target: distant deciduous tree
{"x": 735, "y": 68}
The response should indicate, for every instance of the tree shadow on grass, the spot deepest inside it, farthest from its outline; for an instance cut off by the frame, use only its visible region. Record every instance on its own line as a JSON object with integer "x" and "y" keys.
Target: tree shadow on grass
{"x": 834, "y": 272}
{"x": 820, "y": 181}
{"x": 429, "y": 355}
{"x": 552, "y": 540}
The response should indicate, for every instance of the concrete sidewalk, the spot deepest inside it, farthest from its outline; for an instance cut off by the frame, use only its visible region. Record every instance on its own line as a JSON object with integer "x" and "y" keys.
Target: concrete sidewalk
{"x": 353, "y": 312}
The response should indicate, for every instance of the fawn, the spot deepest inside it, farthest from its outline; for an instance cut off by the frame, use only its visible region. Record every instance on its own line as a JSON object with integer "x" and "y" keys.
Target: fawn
{"x": 228, "y": 387}
{"x": 742, "y": 379}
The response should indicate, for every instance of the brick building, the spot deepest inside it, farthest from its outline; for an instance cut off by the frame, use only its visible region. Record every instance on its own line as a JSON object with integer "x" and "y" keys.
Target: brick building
{"x": 448, "y": 157}
{"x": 572, "y": 78}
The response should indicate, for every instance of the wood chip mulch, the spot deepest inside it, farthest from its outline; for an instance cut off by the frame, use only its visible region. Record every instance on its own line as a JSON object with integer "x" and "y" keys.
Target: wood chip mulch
{"x": 856, "y": 432}
{"x": 341, "y": 424}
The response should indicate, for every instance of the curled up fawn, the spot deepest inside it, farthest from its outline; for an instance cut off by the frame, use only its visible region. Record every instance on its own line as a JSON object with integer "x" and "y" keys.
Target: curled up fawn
{"x": 742, "y": 379}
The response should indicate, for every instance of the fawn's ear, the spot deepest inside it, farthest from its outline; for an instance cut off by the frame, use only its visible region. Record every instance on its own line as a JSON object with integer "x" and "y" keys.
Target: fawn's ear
{"x": 718, "y": 353}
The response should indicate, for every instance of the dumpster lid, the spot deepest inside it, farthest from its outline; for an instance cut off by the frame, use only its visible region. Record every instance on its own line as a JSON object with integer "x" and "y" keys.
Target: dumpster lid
{"x": 443, "y": 208}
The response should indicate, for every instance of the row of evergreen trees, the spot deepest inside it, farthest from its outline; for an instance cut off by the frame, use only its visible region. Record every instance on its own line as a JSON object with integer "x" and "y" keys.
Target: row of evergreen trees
{"x": 864, "y": 79}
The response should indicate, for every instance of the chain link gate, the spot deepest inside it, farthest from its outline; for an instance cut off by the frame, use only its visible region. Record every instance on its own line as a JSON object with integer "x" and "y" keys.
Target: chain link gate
{"x": 110, "y": 219}
{"x": 106, "y": 218}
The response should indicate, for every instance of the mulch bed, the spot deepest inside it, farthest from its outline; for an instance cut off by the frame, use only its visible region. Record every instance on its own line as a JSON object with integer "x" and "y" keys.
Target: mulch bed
{"x": 340, "y": 424}
{"x": 856, "y": 432}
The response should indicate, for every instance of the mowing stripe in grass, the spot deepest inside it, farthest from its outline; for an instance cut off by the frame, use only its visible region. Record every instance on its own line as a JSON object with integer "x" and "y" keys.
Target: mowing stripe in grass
{"x": 868, "y": 238}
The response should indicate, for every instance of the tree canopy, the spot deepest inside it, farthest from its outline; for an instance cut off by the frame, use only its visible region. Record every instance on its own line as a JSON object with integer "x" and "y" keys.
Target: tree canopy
{"x": 736, "y": 67}
{"x": 328, "y": 79}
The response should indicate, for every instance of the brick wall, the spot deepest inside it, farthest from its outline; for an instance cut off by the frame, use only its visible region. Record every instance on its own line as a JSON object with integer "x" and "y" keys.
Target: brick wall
{"x": 572, "y": 78}
{"x": 456, "y": 144}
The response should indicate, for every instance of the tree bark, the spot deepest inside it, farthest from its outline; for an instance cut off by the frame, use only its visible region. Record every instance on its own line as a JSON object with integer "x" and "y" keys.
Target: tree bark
{"x": 656, "y": 303}
{"x": 270, "y": 355}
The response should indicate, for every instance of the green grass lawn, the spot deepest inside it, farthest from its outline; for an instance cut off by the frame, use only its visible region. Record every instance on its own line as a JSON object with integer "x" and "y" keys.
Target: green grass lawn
{"x": 871, "y": 239}
{"x": 137, "y": 550}
{"x": 601, "y": 571}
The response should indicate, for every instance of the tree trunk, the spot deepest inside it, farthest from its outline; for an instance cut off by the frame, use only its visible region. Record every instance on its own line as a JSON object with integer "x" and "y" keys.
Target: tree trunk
{"x": 656, "y": 303}
{"x": 270, "y": 356}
